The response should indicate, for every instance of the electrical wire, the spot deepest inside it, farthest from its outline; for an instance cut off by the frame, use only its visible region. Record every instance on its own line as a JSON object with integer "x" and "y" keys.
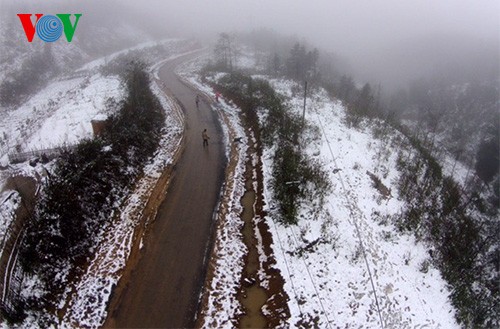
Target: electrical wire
{"x": 358, "y": 232}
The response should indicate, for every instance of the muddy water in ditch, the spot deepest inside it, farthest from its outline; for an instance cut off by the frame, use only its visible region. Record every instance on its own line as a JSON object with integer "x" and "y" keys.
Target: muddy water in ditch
{"x": 253, "y": 296}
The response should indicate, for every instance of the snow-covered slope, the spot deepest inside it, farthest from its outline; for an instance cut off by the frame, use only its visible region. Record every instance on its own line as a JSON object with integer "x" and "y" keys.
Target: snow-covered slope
{"x": 96, "y": 35}
{"x": 60, "y": 114}
{"x": 361, "y": 270}
{"x": 348, "y": 266}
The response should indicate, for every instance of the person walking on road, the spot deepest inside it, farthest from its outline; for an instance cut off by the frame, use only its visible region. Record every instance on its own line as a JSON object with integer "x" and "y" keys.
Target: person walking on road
{"x": 205, "y": 136}
{"x": 197, "y": 101}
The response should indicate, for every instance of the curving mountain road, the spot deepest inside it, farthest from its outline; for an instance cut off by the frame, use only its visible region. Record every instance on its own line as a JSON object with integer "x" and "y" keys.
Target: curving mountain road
{"x": 162, "y": 288}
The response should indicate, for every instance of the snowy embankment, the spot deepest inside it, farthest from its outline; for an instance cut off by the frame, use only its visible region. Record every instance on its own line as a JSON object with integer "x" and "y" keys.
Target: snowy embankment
{"x": 9, "y": 201}
{"x": 57, "y": 116}
{"x": 88, "y": 307}
{"x": 60, "y": 115}
{"x": 220, "y": 305}
{"x": 351, "y": 266}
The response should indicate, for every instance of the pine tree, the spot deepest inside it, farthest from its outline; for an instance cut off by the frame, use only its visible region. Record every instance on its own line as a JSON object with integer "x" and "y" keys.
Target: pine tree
{"x": 365, "y": 101}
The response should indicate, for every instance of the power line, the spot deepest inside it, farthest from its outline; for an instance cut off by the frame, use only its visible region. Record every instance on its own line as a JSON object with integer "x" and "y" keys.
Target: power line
{"x": 312, "y": 281}
{"x": 307, "y": 268}
{"x": 284, "y": 257}
{"x": 358, "y": 232}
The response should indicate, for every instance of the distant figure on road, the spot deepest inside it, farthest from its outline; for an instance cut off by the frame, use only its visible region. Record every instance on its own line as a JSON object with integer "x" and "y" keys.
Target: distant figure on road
{"x": 197, "y": 101}
{"x": 217, "y": 94}
{"x": 204, "y": 134}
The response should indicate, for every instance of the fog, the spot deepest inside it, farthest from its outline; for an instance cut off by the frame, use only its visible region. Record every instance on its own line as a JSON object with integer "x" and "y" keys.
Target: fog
{"x": 387, "y": 41}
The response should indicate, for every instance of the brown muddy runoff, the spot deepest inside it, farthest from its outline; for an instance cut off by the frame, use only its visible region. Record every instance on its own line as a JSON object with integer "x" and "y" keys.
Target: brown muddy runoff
{"x": 254, "y": 295}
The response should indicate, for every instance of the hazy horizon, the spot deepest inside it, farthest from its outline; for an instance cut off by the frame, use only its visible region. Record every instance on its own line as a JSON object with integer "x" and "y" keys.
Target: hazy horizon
{"x": 386, "y": 40}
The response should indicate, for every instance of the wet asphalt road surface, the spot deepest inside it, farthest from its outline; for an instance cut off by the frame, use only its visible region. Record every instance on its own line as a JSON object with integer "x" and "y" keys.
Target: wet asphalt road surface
{"x": 164, "y": 286}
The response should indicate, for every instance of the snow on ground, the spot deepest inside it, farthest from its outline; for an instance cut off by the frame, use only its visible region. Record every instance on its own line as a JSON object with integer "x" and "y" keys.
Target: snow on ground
{"x": 61, "y": 113}
{"x": 349, "y": 267}
{"x": 461, "y": 172}
{"x": 88, "y": 307}
{"x": 72, "y": 121}
{"x": 361, "y": 259}
{"x": 221, "y": 305}
{"x": 9, "y": 201}
{"x": 169, "y": 45}
{"x": 247, "y": 59}
{"x": 58, "y": 115}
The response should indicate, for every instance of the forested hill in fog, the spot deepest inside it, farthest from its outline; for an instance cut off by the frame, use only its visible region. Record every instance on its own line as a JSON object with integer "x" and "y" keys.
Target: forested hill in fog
{"x": 447, "y": 58}
{"x": 25, "y": 67}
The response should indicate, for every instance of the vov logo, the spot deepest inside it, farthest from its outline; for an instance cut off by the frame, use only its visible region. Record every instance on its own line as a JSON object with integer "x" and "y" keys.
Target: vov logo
{"x": 49, "y": 28}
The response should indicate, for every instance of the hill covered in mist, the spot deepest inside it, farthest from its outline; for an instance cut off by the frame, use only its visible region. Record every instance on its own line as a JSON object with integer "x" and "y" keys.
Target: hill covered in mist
{"x": 25, "y": 67}
{"x": 447, "y": 58}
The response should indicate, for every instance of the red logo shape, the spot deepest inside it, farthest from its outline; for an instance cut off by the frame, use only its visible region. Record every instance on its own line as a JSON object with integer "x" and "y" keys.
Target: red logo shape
{"x": 29, "y": 27}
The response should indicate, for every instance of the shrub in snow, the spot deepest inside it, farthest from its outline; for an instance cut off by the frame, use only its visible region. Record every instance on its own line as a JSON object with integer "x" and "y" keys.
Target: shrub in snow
{"x": 297, "y": 179}
{"x": 85, "y": 188}
{"x": 466, "y": 251}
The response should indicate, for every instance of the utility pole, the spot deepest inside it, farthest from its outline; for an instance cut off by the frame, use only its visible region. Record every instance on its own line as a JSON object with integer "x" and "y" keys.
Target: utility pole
{"x": 305, "y": 97}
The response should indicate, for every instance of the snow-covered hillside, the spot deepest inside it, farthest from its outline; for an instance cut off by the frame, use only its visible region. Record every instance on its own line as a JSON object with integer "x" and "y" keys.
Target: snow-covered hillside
{"x": 96, "y": 35}
{"x": 348, "y": 266}
{"x": 59, "y": 115}
{"x": 351, "y": 266}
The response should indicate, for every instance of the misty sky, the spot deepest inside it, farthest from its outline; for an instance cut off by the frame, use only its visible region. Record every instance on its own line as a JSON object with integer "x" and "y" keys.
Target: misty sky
{"x": 352, "y": 24}
{"x": 364, "y": 31}
{"x": 388, "y": 40}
